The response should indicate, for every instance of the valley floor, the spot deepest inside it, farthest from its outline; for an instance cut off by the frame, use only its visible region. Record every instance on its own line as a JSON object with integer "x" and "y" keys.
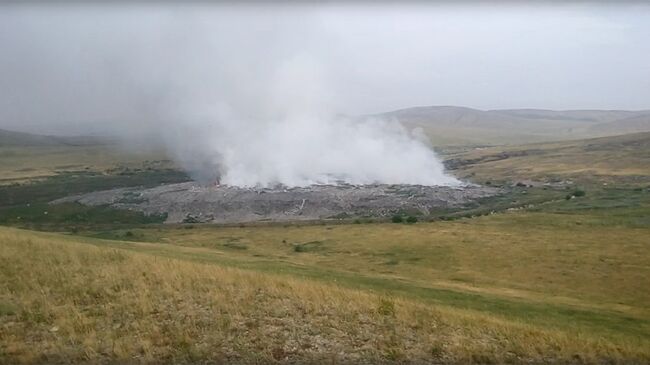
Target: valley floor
{"x": 555, "y": 270}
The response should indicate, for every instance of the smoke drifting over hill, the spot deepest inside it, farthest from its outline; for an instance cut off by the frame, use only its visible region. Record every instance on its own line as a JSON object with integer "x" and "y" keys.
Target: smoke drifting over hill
{"x": 246, "y": 104}
{"x": 304, "y": 149}
{"x": 293, "y": 139}
{"x": 253, "y": 93}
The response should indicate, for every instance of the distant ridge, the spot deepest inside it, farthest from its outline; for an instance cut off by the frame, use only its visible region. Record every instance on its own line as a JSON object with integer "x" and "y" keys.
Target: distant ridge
{"x": 453, "y": 125}
{"x": 462, "y": 125}
{"x": 17, "y": 139}
{"x": 636, "y": 123}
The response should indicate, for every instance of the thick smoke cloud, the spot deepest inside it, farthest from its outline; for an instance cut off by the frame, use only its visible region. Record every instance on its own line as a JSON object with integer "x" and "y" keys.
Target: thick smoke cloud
{"x": 234, "y": 98}
{"x": 282, "y": 131}
{"x": 304, "y": 149}
{"x": 255, "y": 91}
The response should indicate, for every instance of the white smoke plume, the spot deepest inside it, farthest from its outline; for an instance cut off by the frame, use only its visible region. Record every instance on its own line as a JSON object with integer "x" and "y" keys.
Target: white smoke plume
{"x": 294, "y": 140}
{"x": 302, "y": 150}
{"x": 234, "y": 96}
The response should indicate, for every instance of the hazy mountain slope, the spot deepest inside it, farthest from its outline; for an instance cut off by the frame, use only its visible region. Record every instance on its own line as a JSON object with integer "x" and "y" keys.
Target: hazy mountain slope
{"x": 17, "y": 139}
{"x": 453, "y": 125}
{"x": 25, "y": 156}
{"x": 637, "y": 123}
{"x": 11, "y": 138}
{"x": 450, "y": 125}
{"x": 588, "y": 116}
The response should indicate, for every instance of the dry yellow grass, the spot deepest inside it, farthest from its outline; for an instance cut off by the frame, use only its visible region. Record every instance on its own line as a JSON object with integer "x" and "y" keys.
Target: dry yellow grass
{"x": 623, "y": 158}
{"x": 63, "y": 300}
{"x": 539, "y": 256}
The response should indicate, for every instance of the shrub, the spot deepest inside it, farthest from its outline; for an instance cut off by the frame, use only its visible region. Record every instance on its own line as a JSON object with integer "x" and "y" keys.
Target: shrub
{"x": 235, "y": 245}
{"x": 437, "y": 350}
{"x": 386, "y": 307}
{"x": 308, "y": 246}
{"x": 393, "y": 353}
{"x": 397, "y": 219}
{"x": 576, "y": 193}
{"x": 411, "y": 219}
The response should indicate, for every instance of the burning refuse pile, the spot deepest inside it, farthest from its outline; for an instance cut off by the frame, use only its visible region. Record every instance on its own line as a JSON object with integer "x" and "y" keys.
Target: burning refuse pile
{"x": 297, "y": 168}
{"x": 191, "y": 202}
{"x": 277, "y": 149}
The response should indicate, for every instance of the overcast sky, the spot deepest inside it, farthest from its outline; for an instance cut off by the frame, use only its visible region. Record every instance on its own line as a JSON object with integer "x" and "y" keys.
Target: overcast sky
{"x": 89, "y": 69}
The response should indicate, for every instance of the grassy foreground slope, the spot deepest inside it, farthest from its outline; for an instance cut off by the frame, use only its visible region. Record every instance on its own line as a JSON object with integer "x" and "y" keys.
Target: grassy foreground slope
{"x": 587, "y": 260}
{"x": 62, "y": 300}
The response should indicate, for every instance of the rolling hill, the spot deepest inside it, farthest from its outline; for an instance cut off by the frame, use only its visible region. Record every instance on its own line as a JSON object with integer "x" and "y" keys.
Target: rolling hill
{"x": 636, "y": 123}
{"x": 18, "y": 139}
{"x": 25, "y": 156}
{"x": 452, "y": 125}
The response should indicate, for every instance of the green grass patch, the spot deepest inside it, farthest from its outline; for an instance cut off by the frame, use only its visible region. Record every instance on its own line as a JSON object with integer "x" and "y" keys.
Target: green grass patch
{"x": 8, "y": 308}
{"x": 66, "y": 184}
{"x": 313, "y": 246}
{"x": 69, "y": 216}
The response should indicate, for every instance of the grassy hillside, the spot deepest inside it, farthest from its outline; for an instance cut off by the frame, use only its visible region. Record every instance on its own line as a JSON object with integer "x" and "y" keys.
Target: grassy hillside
{"x": 493, "y": 254}
{"x": 22, "y": 163}
{"x": 26, "y": 156}
{"x": 32, "y": 176}
{"x": 620, "y": 159}
{"x": 638, "y": 123}
{"x": 479, "y": 292}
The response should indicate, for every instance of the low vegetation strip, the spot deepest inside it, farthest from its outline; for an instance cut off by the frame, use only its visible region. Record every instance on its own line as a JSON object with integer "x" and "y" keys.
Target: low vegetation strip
{"x": 82, "y": 182}
{"x": 62, "y": 300}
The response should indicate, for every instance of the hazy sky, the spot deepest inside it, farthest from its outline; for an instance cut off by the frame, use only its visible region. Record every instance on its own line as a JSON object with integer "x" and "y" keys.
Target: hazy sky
{"x": 92, "y": 69}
